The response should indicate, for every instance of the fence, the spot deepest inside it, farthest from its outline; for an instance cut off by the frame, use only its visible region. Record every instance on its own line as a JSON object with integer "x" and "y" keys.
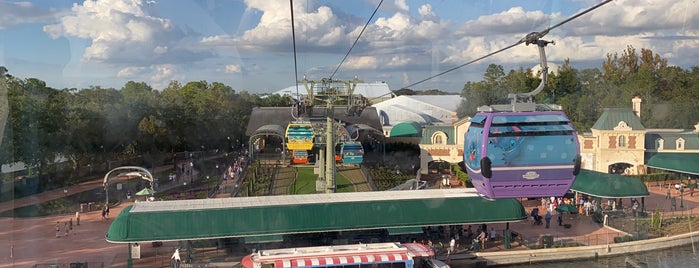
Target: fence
{"x": 70, "y": 265}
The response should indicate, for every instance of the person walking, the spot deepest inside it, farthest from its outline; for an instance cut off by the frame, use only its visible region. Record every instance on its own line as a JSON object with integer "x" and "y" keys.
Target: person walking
{"x": 58, "y": 229}
{"x": 77, "y": 218}
{"x": 560, "y": 218}
{"x": 176, "y": 258}
{"x": 548, "y": 218}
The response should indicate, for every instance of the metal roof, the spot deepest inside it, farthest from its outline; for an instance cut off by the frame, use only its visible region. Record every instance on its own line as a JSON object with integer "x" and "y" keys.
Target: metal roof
{"x": 608, "y": 185}
{"x": 261, "y": 116}
{"x": 611, "y": 117}
{"x": 677, "y": 162}
{"x": 274, "y": 215}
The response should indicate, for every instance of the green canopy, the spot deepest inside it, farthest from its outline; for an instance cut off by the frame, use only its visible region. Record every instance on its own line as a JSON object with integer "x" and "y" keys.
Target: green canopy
{"x": 406, "y": 129}
{"x": 279, "y": 215}
{"x": 677, "y": 162}
{"x": 608, "y": 185}
{"x": 145, "y": 191}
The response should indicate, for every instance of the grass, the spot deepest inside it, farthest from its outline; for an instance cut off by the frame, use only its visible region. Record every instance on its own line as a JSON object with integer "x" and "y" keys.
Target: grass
{"x": 306, "y": 182}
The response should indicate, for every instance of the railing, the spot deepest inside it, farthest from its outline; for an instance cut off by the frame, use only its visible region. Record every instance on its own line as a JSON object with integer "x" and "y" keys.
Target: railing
{"x": 70, "y": 265}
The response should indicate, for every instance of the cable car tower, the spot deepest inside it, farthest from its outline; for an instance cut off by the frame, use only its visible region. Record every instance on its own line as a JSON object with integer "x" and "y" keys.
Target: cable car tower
{"x": 331, "y": 93}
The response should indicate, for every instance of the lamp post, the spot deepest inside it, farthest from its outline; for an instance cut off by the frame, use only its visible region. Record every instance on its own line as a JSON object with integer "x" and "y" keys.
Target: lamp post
{"x": 681, "y": 192}
{"x": 191, "y": 172}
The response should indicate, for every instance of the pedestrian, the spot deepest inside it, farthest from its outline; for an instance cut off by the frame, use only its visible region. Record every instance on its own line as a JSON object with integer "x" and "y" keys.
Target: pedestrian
{"x": 70, "y": 223}
{"x": 560, "y": 218}
{"x": 66, "y": 228}
{"x": 176, "y": 257}
{"x": 667, "y": 194}
{"x": 58, "y": 229}
{"x": 548, "y": 218}
{"x": 77, "y": 218}
{"x": 634, "y": 208}
{"x": 104, "y": 214}
{"x": 106, "y": 208}
{"x": 482, "y": 238}
{"x": 673, "y": 203}
{"x": 452, "y": 244}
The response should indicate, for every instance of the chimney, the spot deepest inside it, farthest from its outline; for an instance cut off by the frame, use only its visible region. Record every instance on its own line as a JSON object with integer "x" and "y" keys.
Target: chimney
{"x": 636, "y": 105}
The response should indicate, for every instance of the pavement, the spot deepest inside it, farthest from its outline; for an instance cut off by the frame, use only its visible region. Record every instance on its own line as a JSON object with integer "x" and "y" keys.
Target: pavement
{"x": 25, "y": 242}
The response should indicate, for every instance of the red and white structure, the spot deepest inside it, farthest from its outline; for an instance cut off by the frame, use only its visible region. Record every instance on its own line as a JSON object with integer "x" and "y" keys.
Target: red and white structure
{"x": 359, "y": 254}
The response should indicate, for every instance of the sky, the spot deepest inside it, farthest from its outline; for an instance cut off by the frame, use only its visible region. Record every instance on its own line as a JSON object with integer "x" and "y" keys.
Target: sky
{"x": 249, "y": 44}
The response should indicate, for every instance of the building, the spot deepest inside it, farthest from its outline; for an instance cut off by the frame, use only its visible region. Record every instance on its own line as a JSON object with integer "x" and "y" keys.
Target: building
{"x": 617, "y": 143}
{"x": 416, "y": 110}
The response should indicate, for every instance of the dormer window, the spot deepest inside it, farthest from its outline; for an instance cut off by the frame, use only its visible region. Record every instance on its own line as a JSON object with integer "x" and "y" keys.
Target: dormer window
{"x": 622, "y": 141}
{"x": 659, "y": 143}
{"x": 439, "y": 138}
{"x": 679, "y": 143}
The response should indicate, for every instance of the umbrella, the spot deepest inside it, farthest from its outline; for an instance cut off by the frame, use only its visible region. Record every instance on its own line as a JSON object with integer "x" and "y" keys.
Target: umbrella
{"x": 146, "y": 191}
{"x": 572, "y": 209}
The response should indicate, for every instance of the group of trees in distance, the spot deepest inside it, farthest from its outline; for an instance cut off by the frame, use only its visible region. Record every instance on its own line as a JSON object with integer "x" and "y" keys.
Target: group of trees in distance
{"x": 670, "y": 94}
{"x": 96, "y": 123}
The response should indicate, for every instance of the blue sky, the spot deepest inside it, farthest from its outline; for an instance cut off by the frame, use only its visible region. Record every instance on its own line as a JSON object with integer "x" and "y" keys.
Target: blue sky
{"x": 247, "y": 44}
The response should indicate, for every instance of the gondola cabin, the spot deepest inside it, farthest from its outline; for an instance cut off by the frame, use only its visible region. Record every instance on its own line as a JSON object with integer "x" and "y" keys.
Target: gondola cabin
{"x": 521, "y": 154}
{"x": 352, "y": 152}
{"x": 299, "y": 136}
{"x": 299, "y": 157}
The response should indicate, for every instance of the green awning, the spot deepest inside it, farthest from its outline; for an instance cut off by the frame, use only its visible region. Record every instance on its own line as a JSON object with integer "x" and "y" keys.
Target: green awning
{"x": 263, "y": 239}
{"x": 406, "y": 129}
{"x": 260, "y": 216}
{"x": 405, "y": 230}
{"x": 678, "y": 162}
{"x": 608, "y": 185}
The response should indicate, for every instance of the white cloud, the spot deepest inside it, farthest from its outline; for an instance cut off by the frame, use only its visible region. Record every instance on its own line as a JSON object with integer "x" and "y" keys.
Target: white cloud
{"x": 158, "y": 76}
{"x": 398, "y": 61}
{"x": 316, "y": 28}
{"x": 131, "y": 72}
{"x": 165, "y": 73}
{"x": 233, "y": 68}
{"x": 400, "y": 4}
{"x": 426, "y": 12}
{"x": 120, "y": 31}
{"x": 363, "y": 62}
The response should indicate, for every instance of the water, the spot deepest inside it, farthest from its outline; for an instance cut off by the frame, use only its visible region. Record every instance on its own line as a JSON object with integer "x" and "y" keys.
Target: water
{"x": 678, "y": 257}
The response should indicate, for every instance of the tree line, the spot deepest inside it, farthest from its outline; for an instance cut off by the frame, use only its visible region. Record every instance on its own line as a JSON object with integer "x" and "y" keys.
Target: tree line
{"x": 100, "y": 124}
{"x": 670, "y": 94}
{"x": 96, "y": 124}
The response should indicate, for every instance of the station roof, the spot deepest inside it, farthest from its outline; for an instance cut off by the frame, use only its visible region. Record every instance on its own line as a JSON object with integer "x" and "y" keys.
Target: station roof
{"x": 608, "y": 185}
{"x": 281, "y": 116}
{"x": 676, "y": 162}
{"x": 278, "y": 215}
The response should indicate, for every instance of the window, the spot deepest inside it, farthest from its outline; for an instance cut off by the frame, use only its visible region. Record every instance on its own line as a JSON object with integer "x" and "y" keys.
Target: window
{"x": 622, "y": 141}
{"x": 439, "y": 138}
{"x": 679, "y": 144}
{"x": 659, "y": 143}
